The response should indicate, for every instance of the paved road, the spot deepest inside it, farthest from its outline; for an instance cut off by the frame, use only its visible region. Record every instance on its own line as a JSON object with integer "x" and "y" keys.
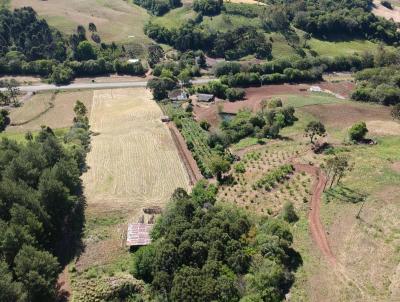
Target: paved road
{"x": 47, "y": 87}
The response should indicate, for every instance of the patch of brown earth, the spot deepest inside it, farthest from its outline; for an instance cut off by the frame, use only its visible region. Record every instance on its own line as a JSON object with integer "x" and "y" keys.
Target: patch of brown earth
{"x": 396, "y": 166}
{"x": 344, "y": 115}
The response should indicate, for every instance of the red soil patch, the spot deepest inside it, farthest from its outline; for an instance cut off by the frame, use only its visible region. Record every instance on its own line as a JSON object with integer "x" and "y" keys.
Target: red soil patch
{"x": 343, "y": 88}
{"x": 344, "y": 115}
{"x": 318, "y": 232}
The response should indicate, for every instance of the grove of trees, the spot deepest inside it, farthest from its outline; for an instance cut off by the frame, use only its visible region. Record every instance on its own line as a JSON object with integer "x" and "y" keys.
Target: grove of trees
{"x": 41, "y": 212}
{"x": 207, "y": 252}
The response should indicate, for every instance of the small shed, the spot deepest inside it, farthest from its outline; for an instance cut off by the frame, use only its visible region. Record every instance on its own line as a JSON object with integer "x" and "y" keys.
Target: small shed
{"x": 138, "y": 234}
{"x": 203, "y": 97}
{"x": 178, "y": 95}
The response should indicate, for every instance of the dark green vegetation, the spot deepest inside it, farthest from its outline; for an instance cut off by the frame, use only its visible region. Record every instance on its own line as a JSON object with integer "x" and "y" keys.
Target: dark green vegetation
{"x": 207, "y": 252}
{"x": 197, "y": 139}
{"x": 158, "y": 7}
{"x": 358, "y": 131}
{"x": 378, "y": 85}
{"x": 4, "y": 119}
{"x": 30, "y": 47}
{"x": 41, "y": 209}
{"x": 260, "y": 125}
{"x": 231, "y": 45}
{"x": 347, "y": 18}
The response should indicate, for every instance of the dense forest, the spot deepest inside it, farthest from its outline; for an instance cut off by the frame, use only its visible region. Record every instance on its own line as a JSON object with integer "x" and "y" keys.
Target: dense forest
{"x": 41, "y": 209}
{"x": 207, "y": 252}
{"x": 30, "y": 46}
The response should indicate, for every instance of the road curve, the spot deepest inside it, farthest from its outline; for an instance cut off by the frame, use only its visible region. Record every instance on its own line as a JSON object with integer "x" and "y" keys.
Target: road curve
{"x": 318, "y": 232}
{"x": 93, "y": 85}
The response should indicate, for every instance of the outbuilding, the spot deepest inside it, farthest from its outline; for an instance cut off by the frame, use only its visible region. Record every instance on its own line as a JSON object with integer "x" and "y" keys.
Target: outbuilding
{"x": 203, "y": 97}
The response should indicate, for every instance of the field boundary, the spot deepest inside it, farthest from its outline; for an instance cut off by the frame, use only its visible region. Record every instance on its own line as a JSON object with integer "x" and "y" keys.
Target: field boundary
{"x": 51, "y": 106}
{"x": 185, "y": 155}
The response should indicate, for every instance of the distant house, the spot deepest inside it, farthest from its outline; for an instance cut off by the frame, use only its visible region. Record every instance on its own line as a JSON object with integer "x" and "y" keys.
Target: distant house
{"x": 178, "y": 95}
{"x": 138, "y": 234}
{"x": 202, "y": 97}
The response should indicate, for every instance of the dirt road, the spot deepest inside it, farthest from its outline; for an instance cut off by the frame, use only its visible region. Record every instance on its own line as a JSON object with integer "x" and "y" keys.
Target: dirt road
{"x": 318, "y": 232}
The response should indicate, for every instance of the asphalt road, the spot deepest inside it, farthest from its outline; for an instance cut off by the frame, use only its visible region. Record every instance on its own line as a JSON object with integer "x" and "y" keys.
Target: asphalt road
{"x": 93, "y": 85}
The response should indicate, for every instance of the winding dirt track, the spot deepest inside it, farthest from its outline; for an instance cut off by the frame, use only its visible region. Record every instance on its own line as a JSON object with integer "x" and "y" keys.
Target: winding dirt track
{"x": 317, "y": 230}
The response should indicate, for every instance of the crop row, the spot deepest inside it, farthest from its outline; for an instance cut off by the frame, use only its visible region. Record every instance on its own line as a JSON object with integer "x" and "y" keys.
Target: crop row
{"x": 196, "y": 138}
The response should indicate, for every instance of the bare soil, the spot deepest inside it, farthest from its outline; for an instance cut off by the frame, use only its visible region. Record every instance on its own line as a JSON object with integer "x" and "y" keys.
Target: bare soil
{"x": 396, "y": 166}
{"x": 381, "y": 11}
{"x": 345, "y": 114}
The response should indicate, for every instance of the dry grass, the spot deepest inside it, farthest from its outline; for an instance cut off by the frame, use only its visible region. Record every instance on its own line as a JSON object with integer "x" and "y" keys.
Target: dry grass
{"x": 133, "y": 164}
{"x": 386, "y": 13}
{"x": 115, "y": 19}
{"x": 59, "y": 116}
{"x": 34, "y": 107}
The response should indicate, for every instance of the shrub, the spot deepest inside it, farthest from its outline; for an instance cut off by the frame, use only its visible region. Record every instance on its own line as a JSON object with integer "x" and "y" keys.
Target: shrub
{"x": 288, "y": 213}
{"x": 233, "y": 94}
{"x": 358, "y": 131}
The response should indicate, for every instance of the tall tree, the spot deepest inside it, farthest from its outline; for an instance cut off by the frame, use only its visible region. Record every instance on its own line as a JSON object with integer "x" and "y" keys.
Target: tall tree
{"x": 314, "y": 129}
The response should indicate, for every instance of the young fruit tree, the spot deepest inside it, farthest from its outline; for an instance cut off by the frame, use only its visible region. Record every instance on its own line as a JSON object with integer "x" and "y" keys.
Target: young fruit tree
{"x": 313, "y": 130}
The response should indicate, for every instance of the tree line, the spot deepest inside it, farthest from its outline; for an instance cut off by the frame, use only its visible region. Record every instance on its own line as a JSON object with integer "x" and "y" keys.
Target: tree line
{"x": 41, "y": 210}
{"x": 233, "y": 44}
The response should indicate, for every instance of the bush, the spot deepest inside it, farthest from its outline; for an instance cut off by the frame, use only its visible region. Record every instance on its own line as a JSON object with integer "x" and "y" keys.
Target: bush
{"x": 288, "y": 213}
{"x": 233, "y": 94}
{"x": 358, "y": 131}
{"x": 208, "y": 7}
{"x": 62, "y": 75}
{"x": 387, "y": 4}
{"x": 4, "y": 119}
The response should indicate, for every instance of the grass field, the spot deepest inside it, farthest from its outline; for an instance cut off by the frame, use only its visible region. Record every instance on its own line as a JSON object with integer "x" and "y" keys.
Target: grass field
{"x": 116, "y": 20}
{"x": 133, "y": 163}
{"x": 328, "y": 48}
{"x": 49, "y": 109}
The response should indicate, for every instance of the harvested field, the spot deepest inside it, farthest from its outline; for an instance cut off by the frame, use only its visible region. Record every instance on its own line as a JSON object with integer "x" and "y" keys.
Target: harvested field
{"x": 345, "y": 114}
{"x": 116, "y": 20}
{"x": 37, "y": 111}
{"x": 133, "y": 164}
{"x": 381, "y": 11}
